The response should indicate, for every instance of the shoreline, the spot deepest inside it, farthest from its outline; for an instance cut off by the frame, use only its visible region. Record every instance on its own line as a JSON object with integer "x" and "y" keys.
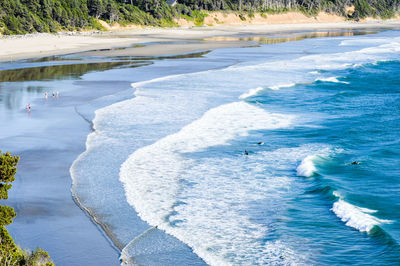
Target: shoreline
{"x": 157, "y": 41}
{"x": 47, "y": 213}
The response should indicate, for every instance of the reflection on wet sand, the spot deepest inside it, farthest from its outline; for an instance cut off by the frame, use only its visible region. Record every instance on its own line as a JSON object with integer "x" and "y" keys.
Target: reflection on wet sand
{"x": 15, "y": 89}
{"x": 14, "y": 99}
{"x": 59, "y": 72}
{"x": 296, "y": 37}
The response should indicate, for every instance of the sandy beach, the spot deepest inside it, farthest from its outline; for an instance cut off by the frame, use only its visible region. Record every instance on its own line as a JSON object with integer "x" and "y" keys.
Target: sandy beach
{"x": 159, "y": 41}
{"x": 47, "y": 213}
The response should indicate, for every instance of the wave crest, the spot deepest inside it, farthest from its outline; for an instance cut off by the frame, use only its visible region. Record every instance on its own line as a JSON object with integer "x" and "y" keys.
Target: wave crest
{"x": 332, "y": 79}
{"x": 306, "y": 167}
{"x": 356, "y": 217}
{"x": 277, "y": 87}
{"x": 251, "y": 93}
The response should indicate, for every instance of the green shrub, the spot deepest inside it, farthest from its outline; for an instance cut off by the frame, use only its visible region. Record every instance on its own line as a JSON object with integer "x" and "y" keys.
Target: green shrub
{"x": 38, "y": 257}
{"x": 362, "y": 9}
{"x": 198, "y": 17}
{"x": 9, "y": 253}
{"x": 251, "y": 14}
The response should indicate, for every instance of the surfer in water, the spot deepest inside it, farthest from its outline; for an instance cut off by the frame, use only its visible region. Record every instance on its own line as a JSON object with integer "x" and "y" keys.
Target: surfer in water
{"x": 245, "y": 152}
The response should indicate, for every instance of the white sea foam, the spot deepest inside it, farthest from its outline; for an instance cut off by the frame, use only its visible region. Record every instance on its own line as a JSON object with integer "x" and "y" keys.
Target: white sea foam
{"x": 277, "y": 87}
{"x": 216, "y": 127}
{"x": 356, "y": 217}
{"x": 374, "y": 63}
{"x": 139, "y": 84}
{"x": 251, "y": 93}
{"x": 358, "y": 65}
{"x": 331, "y": 79}
{"x": 210, "y": 200}
{"x": 329, "y": 61}
{"x": 337, "y": 194}
{"x": 306, "y": 167}
{"x": 201, "y": 201}
{"x": 363, "y": 41}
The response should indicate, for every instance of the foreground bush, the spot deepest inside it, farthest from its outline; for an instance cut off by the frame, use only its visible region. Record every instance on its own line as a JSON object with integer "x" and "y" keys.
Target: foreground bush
{"x": 11, "y": 254}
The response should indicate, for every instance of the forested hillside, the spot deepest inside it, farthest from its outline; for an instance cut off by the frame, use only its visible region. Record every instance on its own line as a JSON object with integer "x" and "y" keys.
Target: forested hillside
{"x": 23, "y": 16}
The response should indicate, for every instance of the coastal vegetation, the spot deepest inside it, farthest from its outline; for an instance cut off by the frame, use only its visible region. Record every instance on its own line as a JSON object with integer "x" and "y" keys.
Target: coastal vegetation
{"x": 27, "y": 16}
{"x": 10, "y": 253}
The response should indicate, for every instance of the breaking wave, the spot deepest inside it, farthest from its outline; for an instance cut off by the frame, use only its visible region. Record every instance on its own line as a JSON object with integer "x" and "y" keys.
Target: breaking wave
{"x": 306, "y": 167}
{"x": 356, "y": 217}
{"x": 332, "y": 79}
{"x": 251, "y": 93}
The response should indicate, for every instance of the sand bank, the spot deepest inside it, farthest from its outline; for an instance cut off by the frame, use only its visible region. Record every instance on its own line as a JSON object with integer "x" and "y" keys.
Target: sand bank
{"x": 39, "y": 45}
{"x": 162, "y": 41}
{"x": 240, "y": 19}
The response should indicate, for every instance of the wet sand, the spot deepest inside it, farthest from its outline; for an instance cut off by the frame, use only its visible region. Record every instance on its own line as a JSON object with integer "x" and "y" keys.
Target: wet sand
{"x": 48, "y": 139}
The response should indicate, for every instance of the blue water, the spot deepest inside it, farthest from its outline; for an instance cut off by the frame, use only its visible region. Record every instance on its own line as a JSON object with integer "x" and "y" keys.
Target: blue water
{"x": 304, "y": 111}
{"x": 363, "y": 121}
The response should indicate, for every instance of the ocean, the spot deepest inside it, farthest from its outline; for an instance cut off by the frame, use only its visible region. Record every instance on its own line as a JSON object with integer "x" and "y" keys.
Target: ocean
{"x": 279, "y": 154}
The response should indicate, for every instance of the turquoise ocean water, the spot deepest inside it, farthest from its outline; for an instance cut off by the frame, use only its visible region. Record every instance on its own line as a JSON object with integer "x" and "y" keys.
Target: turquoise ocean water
{"x": 173, "y": 155}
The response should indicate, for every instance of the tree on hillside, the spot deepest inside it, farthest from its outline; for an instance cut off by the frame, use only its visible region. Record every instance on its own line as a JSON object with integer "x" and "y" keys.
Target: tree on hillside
{"x": 25, "y": 16}
{"x": 96, "y": 8}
